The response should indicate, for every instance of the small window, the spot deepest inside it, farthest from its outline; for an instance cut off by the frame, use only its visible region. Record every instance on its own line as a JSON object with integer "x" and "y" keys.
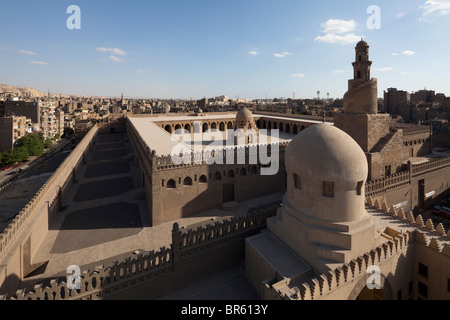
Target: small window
{"x": 423, "y": 270}
{"x": 243, "y": 172}
{"x": 203, "y": 179}
{"x": 218, "y": 176}
{"x": 359, "y": 188}
{"x": 297, "y": 182}
{"x": 187, "y": 181}
{"x": 231, "y": 174}
{"x": 328, "y": 189}
{"x": 171, "y": 184}
{"x": 423, "y": 290}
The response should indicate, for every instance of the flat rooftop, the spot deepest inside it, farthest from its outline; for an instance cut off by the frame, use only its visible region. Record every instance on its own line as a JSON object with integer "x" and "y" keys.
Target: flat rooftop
{"x": 165, "y": 143}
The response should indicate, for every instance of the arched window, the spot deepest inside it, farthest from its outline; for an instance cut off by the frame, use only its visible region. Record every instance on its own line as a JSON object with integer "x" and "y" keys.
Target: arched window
{"x": 214, "y": 126}
{"x": 302, "y": 128}
{"x": 281, "y": 127}
{"x": 205, "y": 127}
{"x": 187, "y": 127}
{"x": 295, "y": 129}
{"x": 254, "y": 170}
{"x": 243, "y": 172}
{"x": 171, "y": 184}
{"x": 168, "y": 128}
{"x": 288, "y": 128}
{"x": 218, "y": 176}
{"x": 231, "y": 174}
{"x": 230, "y": 125}
{"x": 178, "y": 127}
{"x": 203, "y": 179}
{"x": 187, "y": 181}
{"x": 222, "y": 126}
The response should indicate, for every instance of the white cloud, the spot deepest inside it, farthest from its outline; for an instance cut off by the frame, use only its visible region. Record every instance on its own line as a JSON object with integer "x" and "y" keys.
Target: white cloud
{"x": 116, "y": 51}
{"x": 409, "y": 53}
{"x": 38, "y": 62}
{"x": 384, "y": 69}
{"x": 334, "y": 38}
{"x": 338, "y": 26}
{"x": 338, "y": 71}
{"x": 282, "y": 55}
{"x": 298, "y": 75}
{"x": 253, "y": 53}
{"x": 441, "y": 7}
{"x": 141, "y": 71}
{"x": 115, "y": 59}
{"x": 334, "y": 30}
{"x": 30, "y": 53}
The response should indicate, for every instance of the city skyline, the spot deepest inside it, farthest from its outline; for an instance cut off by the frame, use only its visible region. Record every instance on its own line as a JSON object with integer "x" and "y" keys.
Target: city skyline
{"x": 195, "y": 49}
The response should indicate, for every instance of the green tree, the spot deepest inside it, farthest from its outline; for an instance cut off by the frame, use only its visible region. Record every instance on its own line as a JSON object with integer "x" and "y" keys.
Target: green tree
{"x": 48, "y": 144}
{"x": 8, "y": 157}
{"x": 33, "y": 143}
{"x": 21, "y": 154}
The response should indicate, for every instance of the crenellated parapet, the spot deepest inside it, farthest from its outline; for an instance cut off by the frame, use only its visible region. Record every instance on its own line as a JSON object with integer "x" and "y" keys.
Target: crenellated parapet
{"x": 227, "y": 155}
{"x": 415, "y": 221}
{"x": 46, "y": 196}
{"x": 106, "y": 281}
{"x": 348, "y": 273}
{"x": 191, "y": 242}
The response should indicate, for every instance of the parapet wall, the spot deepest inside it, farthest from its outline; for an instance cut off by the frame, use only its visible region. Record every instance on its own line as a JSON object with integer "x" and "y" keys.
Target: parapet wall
{"x": 23, "y": 236}
{"x": 149, "y": 276}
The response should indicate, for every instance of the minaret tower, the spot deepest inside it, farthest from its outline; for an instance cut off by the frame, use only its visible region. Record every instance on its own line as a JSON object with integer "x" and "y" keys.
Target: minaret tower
{"x": 360, "y": 118}
{"x": 362, "y": 64}
{"x": 362, "y": 95}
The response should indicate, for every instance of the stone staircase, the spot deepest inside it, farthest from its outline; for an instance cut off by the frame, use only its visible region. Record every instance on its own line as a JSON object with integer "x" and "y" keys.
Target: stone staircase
{"x": 379, "y": 147}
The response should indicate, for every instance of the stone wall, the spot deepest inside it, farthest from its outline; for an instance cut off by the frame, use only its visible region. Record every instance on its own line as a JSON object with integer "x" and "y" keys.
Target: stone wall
{"x": 403, "y": 188}
{"x": 194, "y": 254}
{"x": 23, "y": 236}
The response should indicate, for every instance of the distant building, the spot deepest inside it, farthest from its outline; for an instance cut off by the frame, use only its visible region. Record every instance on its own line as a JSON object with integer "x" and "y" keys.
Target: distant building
{"x": 396, "y": 101}
{"x": 11, "y": 130}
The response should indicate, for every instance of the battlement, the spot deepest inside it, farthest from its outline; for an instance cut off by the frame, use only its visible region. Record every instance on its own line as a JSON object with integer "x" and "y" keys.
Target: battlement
{"x": 322, "y": 285}
{"x": 186, "y": 244}
{"x": 46, "y": 195}
{"x": 226, "y": 155}
{"x": 404, "y": 178}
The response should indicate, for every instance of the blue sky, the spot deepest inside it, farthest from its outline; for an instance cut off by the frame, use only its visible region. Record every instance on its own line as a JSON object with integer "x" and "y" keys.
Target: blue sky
{"x": 246, "y": 48}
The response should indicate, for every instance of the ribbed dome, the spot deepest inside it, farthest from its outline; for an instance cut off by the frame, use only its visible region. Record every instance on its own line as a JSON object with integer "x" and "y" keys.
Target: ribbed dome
{"x": 325, "y": 154}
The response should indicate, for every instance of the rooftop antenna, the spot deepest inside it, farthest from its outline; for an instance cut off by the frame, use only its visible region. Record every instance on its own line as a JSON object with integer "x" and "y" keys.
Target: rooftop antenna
{"x": 318, "y": 95}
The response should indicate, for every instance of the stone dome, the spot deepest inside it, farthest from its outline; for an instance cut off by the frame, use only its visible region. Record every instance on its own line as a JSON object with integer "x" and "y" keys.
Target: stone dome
{"x": 244, "y": 115}
{"x": 362, "y": 43}
{"x": 326, "y": 172}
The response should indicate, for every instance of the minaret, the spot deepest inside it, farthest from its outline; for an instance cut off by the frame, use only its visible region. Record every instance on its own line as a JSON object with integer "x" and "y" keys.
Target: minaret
{"x": 362, "y": 95}
{"x": 362, "y": 64}
{"x": 360, "y": 118}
